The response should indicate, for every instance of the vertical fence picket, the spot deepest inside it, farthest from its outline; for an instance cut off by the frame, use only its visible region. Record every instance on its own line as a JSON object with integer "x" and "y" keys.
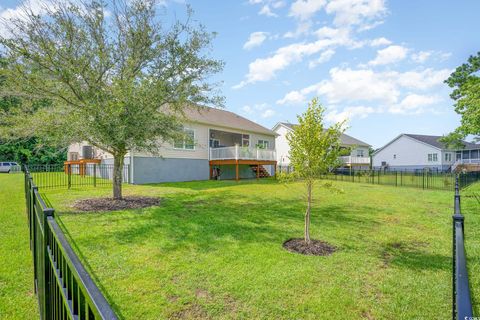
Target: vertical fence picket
{"x": 64, "y": 288}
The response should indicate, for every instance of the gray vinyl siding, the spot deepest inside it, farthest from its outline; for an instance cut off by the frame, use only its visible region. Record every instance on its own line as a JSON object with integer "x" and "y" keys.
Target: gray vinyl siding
{"x": 156, "y": 170}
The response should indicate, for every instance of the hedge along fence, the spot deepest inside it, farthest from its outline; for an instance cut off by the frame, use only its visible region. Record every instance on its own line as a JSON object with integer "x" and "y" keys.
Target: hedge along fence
{"x": 63, "y": 287}
{"x": 75, "y": 175}
{"x": 418, "y": 179}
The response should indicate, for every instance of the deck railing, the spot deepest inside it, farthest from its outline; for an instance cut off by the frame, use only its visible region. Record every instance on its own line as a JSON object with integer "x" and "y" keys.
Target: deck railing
{"x": 64, "y": 288}
{"x": 461, "y": 298}
{"x": 242, "y": 153}
{"x": 355, "y": 160}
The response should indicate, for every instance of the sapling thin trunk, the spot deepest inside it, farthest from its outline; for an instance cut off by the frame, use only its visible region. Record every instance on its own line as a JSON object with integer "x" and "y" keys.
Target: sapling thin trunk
{"x": 307, "y": 213}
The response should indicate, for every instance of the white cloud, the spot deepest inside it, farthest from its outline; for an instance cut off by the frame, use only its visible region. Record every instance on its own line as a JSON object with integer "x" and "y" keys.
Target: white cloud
{"x": 255, "y": 40}
{"x": 414, "y": 104}
{"x": 265, "y": 69}
{"x": 352, "y": 86}
{"x": 389, "y": 55}
{"x": 267, "y": 6}
{"x": 266, "y": 11}
{"x": 380, "y": 42}
{"x": 324, "y": 57}
{"x": 293, "y": 97}
{"x": 357, "y": 12}
{"x": 262, "y": 109}
{"x": 305, "y": 9}
{"x": 302, "y": 28}
{"x": 422, "y": 56}
{"x": 349, "y": 113}
{"x": 268, "y": 113}
{"x": 422, "y": 80}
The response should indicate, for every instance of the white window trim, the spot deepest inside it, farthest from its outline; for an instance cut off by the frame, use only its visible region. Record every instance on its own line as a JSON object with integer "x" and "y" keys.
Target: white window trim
{"x": 185, "y": 149}
{"x": 265, "y": 143}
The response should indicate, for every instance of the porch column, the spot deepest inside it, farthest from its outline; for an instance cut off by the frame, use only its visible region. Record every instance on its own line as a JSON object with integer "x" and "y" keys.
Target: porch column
{"x": 258, "y": 171}
{"x": 236, "y": 171}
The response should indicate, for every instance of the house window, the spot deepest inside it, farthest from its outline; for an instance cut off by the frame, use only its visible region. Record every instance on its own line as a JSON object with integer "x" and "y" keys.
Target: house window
{"x": 394, "y": 156}
{"x": 448, "y": 157}
{"x": 214, "y": 143}
{"x": 245, "y": 140}
{"x": 187, "y": 142}
{"x": 432, "y": 157}
{"x": 435, "y": 157}
{"x": 262, "y": 144}
{"x": 359, "y": 153}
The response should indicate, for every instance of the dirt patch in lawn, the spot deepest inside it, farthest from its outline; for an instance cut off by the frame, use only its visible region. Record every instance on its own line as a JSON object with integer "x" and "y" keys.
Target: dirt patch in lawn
{"x": 109, "y": 204}
{"x": 314, "y": 248}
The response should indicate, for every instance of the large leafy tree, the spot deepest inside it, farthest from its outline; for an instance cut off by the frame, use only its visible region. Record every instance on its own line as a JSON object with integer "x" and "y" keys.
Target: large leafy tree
{"x": 465, "y": 81}
{"x": 314, "y": 151}
{"x": 117, "y": 77}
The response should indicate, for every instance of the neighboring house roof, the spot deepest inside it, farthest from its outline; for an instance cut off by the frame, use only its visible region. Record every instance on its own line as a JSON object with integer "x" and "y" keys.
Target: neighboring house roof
{"x": 433, "y": 141}
{"x": 224, "y": 118}
{"x": 344, "y": 138}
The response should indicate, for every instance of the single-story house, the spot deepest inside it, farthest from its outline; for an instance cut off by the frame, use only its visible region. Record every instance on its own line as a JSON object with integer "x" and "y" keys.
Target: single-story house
{"x": 359, "y": 150}
{"x": 222, "y": 145}
{"x": 412, "y": 152}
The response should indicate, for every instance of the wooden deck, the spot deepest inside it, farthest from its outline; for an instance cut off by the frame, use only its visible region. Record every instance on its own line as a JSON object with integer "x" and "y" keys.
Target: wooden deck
{"x": 238, "y": 162}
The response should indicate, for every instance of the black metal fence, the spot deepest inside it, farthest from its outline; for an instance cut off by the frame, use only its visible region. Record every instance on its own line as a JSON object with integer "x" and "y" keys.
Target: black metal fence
{"x": 64, "y": 288}
{"x": 461, "y": 299}
{"x": 417, "y": 179}
{"x": 75, "y": 175}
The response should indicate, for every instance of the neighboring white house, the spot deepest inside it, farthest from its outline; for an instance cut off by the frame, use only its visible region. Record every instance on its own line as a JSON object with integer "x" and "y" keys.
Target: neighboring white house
{"x": 419, "y": 152}
{"x": 225, "y": 146}
{"x": 358, "y": 155}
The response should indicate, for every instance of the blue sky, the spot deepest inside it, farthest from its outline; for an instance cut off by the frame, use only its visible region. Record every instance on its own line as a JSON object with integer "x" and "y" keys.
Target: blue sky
{"x": 380, "y": 64}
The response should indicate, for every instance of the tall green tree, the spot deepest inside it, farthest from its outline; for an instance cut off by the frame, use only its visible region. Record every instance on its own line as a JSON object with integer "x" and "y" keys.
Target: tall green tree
{"x": 465, "y": 81}
{"x": 117, "y": 76}
{"x": 314, "y": 151}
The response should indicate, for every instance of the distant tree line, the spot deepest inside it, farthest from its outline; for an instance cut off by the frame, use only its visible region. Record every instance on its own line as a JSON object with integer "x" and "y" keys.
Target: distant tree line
{"x": 28, "y": 150}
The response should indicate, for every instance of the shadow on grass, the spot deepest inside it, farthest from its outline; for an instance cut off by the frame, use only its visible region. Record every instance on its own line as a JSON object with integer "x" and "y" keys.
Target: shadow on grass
{"x": 208, "y": 223}
{"x": 211, "y": 184}
{"x": 415, "y": 256}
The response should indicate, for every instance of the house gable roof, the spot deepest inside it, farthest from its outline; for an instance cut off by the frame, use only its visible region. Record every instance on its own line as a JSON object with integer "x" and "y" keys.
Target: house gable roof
{"x": 344, "y": 138}
{"x": 433, "y": 141}
{"x": 224, "y": 118}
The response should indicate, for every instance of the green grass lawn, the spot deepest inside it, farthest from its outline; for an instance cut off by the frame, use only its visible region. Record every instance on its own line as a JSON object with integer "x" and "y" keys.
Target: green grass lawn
{"x": 17, "y": 298}
{"x": 214, "y": 250}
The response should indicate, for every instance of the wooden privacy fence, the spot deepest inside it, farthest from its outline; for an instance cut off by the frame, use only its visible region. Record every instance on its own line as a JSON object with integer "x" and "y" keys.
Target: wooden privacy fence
{"x": 75, "y": 175}
{"x": 64, "y": 288}
{"x": 461, "y": 298}
{"x": 416, "y": 179}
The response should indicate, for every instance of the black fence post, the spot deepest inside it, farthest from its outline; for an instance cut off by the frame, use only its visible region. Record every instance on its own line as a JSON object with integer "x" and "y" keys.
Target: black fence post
{"x": 69, "y": 175}
{"x": 94, "y": 174}
{"x": 48, "y": 212}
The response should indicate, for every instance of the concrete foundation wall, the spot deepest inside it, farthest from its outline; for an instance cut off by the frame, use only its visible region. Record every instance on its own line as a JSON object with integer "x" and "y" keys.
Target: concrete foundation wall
{"x": 156, "y": 169}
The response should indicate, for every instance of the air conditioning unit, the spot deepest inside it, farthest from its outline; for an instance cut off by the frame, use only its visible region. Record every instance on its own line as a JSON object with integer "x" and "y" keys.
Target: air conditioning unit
{"x": 87, "y": 152}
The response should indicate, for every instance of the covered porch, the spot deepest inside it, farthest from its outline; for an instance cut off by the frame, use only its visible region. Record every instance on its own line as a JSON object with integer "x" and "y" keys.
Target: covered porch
{"x": 233, "y": 156}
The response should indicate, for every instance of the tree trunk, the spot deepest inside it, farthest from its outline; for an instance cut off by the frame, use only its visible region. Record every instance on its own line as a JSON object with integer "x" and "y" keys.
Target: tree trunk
{"x": 118, "y": 175}
{"x": 307, "y": 213}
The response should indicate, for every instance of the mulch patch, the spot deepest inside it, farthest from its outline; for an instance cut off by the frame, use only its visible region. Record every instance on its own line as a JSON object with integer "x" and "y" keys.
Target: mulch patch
{"x": 109, "y": 204}
{"x": 314, "y": 248}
